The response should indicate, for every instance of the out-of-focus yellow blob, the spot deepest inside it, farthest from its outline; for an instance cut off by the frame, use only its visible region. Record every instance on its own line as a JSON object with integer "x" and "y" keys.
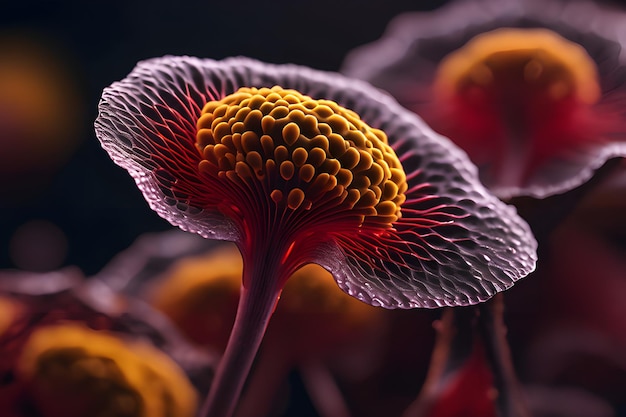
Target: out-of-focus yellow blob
{"x": 200, "y": 294}
{"x": 313, "y": 290}
{"x": 74, "y": 371}
{"x": 541, "y": 56}
{"x": 42, "y": 117}
{"x": 316, "y": 318}
{"x": 9, "y": 309}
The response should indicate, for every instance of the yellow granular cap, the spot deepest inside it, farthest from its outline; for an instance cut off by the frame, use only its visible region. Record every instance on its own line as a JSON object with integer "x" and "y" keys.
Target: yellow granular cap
{"x": 544, "y": 58}
{"x": 302, "y": 151}
{"x": 107, "y": 376}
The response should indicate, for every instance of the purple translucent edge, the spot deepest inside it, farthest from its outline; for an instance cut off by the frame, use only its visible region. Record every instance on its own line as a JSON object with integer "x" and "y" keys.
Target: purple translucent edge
{"x": 326, "y": 82}
{"x": 408, "y": 28}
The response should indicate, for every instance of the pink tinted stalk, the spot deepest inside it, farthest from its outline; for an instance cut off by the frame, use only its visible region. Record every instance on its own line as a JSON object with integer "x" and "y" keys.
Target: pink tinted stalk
{"x": 459, "y": 332}
{"x": 453, "y": 344}
{"x": 323, "y": 389}
{"x": 259, "y": 294}
{"x": 510, "y": 400}
{"x": 270, "y": 371}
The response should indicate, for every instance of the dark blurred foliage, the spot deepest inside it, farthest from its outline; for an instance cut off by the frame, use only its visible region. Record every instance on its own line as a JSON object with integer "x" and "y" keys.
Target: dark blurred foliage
{"x": 89, "y": 205}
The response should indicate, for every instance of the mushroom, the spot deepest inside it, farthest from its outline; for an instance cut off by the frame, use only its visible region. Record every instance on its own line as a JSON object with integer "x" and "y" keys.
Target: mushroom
{"x": 73, "y": 348}
{"x": 73, "y": 371}
{"x": 532, "y": 90}
{"x": 298, "y": 166}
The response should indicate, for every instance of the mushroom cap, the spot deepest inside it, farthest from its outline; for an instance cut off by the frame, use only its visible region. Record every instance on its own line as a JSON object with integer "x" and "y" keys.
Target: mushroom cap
{"x": 454, "y": 243}
{"x": 130, "y": 379}
{"x": 573, "y": 144}
{"x": 63, "y": 297}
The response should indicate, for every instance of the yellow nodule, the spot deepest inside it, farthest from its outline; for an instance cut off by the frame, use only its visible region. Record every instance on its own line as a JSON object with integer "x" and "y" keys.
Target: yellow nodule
{"x": 563, "y": 66}
{"x": 301, "y": 150}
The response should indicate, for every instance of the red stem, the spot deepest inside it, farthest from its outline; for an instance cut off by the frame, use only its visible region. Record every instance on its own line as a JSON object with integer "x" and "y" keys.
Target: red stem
{"x": 510, "y": 401}
{"x": 256, "y": 305}
{"x": 323, "y": 389}
{"x": 453, "y": 344}
{"x": 270, "y": 371}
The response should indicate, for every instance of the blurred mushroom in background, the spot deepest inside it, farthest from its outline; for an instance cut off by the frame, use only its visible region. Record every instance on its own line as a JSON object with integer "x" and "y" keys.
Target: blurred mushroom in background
{"x": 72, "y": 348}
{"x": 535, "y": 93}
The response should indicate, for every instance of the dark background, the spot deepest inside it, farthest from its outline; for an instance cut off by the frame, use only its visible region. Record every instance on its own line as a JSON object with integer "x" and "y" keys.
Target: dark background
{"x": 92, "y": 205}
{"x": 87, "y": 209}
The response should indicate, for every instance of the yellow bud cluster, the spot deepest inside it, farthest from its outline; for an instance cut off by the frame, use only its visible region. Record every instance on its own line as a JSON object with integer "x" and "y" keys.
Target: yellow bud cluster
{"x": 303, "y": 150}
